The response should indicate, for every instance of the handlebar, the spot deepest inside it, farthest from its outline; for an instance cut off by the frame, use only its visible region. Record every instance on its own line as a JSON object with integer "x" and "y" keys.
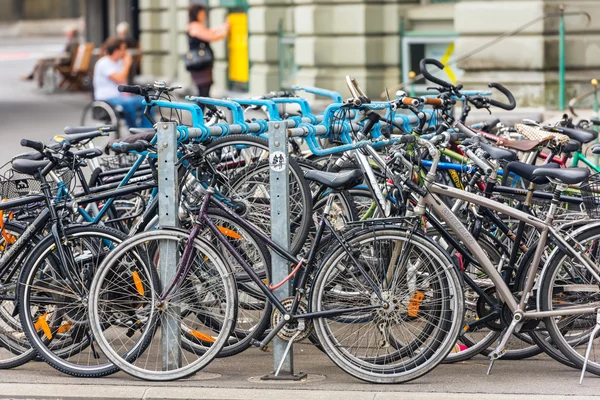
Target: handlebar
{"x": 85, "y": 129}
{"x": 479, "y": 162}
{"x": 139, "y": 146}
{"x": 430, "y": 61}
{"x": 511, "y": 99}
{"x": 134, "y": 89}
{"x": 33, "y": 144}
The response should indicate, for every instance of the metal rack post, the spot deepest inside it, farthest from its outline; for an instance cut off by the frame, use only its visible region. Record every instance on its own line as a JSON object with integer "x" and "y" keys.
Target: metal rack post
{"x": 280, "y": 232}
{"x": 168, "y": 201}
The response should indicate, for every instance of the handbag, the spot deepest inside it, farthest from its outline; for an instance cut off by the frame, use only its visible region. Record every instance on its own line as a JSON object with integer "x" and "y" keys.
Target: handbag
{"x": 199, "y": 59}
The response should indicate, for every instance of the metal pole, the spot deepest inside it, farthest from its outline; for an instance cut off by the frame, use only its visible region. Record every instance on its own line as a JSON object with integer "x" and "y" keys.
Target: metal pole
{"x": 561, "y": 59}
{"x": 280, "y": 227}
{"x": 168, "y": 196}
{"x": 280, "y": 232}
{"x": 595, "y": 115}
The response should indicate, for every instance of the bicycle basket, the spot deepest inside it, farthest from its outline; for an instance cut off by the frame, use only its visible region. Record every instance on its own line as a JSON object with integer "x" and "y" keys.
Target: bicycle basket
{"x": 590, "y": 193}
{"x": 14, "y": 184}
{"x": 118, "y": 161}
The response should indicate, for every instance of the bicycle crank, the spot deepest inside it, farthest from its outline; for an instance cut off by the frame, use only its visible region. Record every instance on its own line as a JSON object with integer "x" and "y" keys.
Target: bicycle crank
{"x": 294, "y": 330}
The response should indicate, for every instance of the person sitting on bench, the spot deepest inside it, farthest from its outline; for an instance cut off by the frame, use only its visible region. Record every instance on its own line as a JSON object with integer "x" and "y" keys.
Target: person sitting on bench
{"x": 111, "y": 71}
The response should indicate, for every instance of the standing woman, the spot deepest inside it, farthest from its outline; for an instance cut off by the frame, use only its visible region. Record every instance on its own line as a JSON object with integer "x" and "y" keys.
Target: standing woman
{"x": 199, "y": 60}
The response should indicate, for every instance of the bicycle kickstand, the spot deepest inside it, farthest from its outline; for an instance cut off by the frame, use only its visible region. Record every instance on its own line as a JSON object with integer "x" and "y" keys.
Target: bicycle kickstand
{"x": 499, "y": 350}
{"x": 289, "y": 346}
{"x": 589, "y": 346}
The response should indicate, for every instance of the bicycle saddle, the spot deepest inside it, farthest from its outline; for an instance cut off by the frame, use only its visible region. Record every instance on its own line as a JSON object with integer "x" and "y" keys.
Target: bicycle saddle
{"x": 336, "y": 180}
{"x": 569, "y": 176}
{"x": 596, "y": 148}
{"x": 523, "y": 145}
{"x": 581, "y": 135}
{"x": 572, "y": 146}
{"x": 497, "y": 153}
{"x": 525, "y": 171}
{"x": 29, "y": 167}
{"x": 34, "y": 155}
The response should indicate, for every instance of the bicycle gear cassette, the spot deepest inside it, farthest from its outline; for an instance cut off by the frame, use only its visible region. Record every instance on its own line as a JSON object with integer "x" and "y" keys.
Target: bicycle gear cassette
{"x": 291, "y": 328}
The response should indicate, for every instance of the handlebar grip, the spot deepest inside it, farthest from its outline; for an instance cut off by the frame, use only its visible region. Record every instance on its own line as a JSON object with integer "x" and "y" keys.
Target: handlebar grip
{"x": 139, "y": 146}
{"x": 69, "y": 130}
{"x": 423, "y": 66}
{"x": 409, "y": 101}
{"x": 493, "y": 123}
{"x": 487, "y": 169}
{"x": 33, "y": 144}
{"x": 511, "y": 99}
{"x": 433, "y": 101}
{"x": 594, "y": 122}
{"x": 373, "y": 118}
{"x": 134, "y": 89}
{"x": 407, "y": 139}
{"x": 466, "y": 131}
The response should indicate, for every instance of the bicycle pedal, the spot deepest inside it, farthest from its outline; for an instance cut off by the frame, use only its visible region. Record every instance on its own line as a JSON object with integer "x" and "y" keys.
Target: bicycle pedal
{"x": 258, "y": 343}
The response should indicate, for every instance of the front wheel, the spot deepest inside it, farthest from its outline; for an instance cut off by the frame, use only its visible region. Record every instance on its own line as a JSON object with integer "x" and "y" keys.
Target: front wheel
{"x": 131, "y": 319}
{"x": 398, "y": 305}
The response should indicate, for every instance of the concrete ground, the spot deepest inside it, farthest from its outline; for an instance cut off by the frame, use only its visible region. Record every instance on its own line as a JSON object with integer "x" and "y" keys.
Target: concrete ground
{"x": 27, "y": 113}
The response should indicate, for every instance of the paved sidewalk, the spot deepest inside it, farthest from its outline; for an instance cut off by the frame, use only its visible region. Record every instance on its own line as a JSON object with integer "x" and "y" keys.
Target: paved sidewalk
{"x": 239, "y": 378}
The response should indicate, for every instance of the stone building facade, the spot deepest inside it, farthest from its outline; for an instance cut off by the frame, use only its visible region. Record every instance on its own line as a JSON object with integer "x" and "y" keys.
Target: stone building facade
{"x": 368, "y": 38}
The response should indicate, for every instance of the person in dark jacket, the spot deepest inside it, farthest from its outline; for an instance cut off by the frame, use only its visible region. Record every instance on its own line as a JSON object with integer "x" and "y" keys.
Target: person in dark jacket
{"x": 199, "y": 35}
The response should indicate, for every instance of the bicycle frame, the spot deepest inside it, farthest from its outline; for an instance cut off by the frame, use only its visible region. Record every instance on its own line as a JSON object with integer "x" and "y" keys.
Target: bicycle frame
{"x": 453, "y": 223}
{"x": 324, "y": 223}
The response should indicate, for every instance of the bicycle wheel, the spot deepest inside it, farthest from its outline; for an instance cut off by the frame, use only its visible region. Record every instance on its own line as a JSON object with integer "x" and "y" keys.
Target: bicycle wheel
{"x": 416, "y": 322}
{"x": 128, "y": 316}
{"x": 53, "y": 299}
{"x": 241, "y": 163}
{"x": 566, "y": 282}
{"x": 14, "y": 347}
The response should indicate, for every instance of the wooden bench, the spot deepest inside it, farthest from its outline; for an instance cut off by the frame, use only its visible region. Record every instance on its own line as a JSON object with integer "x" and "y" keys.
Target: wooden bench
{"x": 74, "y": 76}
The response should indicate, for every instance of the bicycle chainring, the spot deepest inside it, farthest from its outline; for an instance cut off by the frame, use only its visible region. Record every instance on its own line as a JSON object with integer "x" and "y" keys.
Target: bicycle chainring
{"x": 291, "y": 328}
{"x": 483, "y": 310}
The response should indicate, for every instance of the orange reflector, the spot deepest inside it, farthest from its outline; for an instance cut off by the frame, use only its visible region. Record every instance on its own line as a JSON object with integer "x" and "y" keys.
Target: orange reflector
{"x": 64, "y": 328}
{"x": 43, "y": 325}
{"x": 202, "y": 336}
{"x": 229, "y": 232}
{"x": 415, "y": 303}
{"x": 138, "y": 282}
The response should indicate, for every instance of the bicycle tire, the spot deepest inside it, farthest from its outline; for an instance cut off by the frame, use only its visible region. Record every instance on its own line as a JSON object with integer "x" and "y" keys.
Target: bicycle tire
{"x": 446, "y": 317}
{"x": 41, "y": 284}
{"x": 218, "y": 280}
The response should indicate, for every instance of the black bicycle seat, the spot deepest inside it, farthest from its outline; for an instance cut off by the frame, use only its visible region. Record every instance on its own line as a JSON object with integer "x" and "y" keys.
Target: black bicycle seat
{"x": 34, "y": 155}
{"x": 596, "y": 148}
{"x": 499, "y": 154}
{"x": 572, "y": 146}
{"x": 525, "y": 171}
{"x": 581, "y": 135}
{"x": 29, "y": 167}
{"x": 569, "y": 176}
{"x": 336, "y": 180}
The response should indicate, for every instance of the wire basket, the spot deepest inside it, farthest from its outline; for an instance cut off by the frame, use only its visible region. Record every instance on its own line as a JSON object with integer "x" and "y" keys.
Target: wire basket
{"x": 118, "y": 161}
{"x": 590, "y": 193}
{"x": 14, "y": 184}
